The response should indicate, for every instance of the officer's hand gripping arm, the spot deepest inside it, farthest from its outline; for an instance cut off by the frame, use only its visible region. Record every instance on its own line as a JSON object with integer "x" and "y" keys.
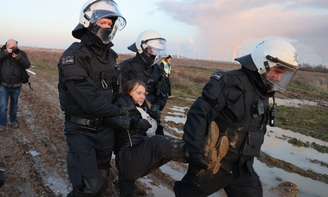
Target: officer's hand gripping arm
{"x": 154, "y": 112}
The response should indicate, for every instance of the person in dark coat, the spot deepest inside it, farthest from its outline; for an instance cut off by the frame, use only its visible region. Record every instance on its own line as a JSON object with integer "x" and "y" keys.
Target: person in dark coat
{"x": 12, "y": 62}
{"x": 138, "y": 150}
{"x": 87, "y": 75}
{"x": 238, "y": 102}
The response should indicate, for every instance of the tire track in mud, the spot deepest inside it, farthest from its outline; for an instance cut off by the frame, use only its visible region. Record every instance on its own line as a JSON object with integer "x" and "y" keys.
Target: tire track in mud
{"x": 41, "y": 145}
{"x": 19, "y": 175}
{"x": 40, "y": 114}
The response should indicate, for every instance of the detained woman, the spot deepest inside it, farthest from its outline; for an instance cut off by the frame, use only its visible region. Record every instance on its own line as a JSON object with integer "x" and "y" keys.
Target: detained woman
{"x": 138, "y": 151}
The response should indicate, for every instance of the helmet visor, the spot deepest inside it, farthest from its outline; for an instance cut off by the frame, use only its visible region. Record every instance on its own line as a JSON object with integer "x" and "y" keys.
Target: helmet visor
{"x": 108, "y": 9}
{"x": 277, "y": 76}
{"x": 157, "y": 47}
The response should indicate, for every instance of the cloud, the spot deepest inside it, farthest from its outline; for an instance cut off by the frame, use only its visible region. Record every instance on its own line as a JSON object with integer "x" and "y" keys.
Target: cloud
{"x": 225, "y": 24}
{"x": 151, "y": 12}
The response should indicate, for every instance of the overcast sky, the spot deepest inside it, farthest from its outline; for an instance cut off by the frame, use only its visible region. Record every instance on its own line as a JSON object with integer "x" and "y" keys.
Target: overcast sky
{"x": 207, "y": 29}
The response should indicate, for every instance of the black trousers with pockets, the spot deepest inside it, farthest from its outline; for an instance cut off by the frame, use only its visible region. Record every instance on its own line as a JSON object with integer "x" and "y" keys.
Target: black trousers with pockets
{"x": 88, "y": 159}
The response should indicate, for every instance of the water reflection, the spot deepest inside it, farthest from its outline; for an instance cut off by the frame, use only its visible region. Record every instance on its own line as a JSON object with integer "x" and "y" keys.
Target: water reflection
{"x": 307, "y": 186}
{"x": 157, "y": 190}
{"x": 296, "y": 102}
{"x": 175, "y": 119}
{"x": 299, "y": 156}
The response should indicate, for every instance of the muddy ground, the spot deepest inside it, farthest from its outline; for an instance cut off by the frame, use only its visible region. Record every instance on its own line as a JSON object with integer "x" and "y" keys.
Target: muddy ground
{"x": 34, "y": 155}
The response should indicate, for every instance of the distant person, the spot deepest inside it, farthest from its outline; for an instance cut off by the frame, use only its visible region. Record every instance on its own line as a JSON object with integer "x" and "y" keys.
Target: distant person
{"x": 86, "y": 76}
{"x": 138, "y": 150}
{"x": 149, "y": 47}
{"x": 12, "y": 62}
{"x": 166, "y": 64}
{"x": 238, "y": 102}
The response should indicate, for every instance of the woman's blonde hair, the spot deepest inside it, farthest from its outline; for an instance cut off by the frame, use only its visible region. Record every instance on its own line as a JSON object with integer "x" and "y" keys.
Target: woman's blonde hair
{"x": 131, "y": 85}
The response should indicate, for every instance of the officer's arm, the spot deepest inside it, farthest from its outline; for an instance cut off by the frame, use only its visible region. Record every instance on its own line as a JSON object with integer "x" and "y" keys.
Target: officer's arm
{"x": 161, "y": 100}
{"x": 85, "y": 92}
{"x": 126, "y": 70}
{"x": 199, "y": 116}
{"x": 204, "y": 110}
{"x": 121, "y": 123}
{"x": 118, "y": 123}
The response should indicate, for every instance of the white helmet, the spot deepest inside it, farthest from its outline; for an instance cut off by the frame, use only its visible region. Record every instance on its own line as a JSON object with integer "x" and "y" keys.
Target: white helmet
{"x": 151, "y": 46}
{"x": 92, "y": 11}
{"x": 277, "y": 62}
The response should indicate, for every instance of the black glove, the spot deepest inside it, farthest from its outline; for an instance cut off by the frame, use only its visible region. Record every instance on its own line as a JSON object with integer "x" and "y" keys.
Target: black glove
{"x": 141, "y": 124}
{"x": 159, "y": 130}
{"x": 154, "y": 112}
{"x": 124, "y": 111}
{"x": 198, "y": 161}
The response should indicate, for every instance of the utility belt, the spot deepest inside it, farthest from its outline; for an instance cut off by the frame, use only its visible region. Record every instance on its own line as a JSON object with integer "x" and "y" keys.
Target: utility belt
{"x": 94, "y": 123}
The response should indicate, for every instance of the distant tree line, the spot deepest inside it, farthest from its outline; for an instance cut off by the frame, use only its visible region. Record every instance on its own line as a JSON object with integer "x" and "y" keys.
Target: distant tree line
{"x": 314, "y": 68}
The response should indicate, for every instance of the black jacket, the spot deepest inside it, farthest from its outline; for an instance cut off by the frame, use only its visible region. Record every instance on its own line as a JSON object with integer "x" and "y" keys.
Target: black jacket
{"x": 11, "y": 68}
{"x": 135, "y": 68}
{"x": 228, "y": 98}
{"x": 125, "y": 138}
{"x": 86, "y": 76}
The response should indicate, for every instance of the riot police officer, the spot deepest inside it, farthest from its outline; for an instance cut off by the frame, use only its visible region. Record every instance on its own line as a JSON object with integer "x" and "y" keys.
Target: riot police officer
{"x": 238, "y": 101}
{"x": 86, "y": 89}
{"x": 149, "y": 47}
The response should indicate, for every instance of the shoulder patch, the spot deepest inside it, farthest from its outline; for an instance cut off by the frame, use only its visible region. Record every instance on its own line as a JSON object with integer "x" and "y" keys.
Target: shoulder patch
{"x": 217, "y": 75}
{"x": 67, "y": 60}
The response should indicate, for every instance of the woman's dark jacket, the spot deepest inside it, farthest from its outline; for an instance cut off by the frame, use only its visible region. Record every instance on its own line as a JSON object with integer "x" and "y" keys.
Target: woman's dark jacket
{"x": 126, "y": 138}
{"x": 11, "y": 68}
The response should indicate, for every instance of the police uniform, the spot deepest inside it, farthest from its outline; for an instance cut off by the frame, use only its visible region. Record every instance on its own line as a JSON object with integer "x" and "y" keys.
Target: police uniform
{"x": 136, "y": 68}
{"x": 238, "y": 102}
{"x": 86, "y": 89}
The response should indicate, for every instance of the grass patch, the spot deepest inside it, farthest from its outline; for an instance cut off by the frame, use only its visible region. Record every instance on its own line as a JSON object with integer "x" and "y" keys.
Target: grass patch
{"x": 189, "y": 82}
{"x": 305, "y": 87}
{"x": 314, "y": 81}
{"x": 308, "y": 120}
{"x": 45, "y": 61}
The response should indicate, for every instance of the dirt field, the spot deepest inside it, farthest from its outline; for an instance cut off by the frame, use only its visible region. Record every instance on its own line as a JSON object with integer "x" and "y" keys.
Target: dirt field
{"x": 34, "y": 155}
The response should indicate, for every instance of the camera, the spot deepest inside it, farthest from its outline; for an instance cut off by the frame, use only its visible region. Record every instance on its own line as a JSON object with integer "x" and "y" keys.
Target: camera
{"x": 15, "y": 49}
